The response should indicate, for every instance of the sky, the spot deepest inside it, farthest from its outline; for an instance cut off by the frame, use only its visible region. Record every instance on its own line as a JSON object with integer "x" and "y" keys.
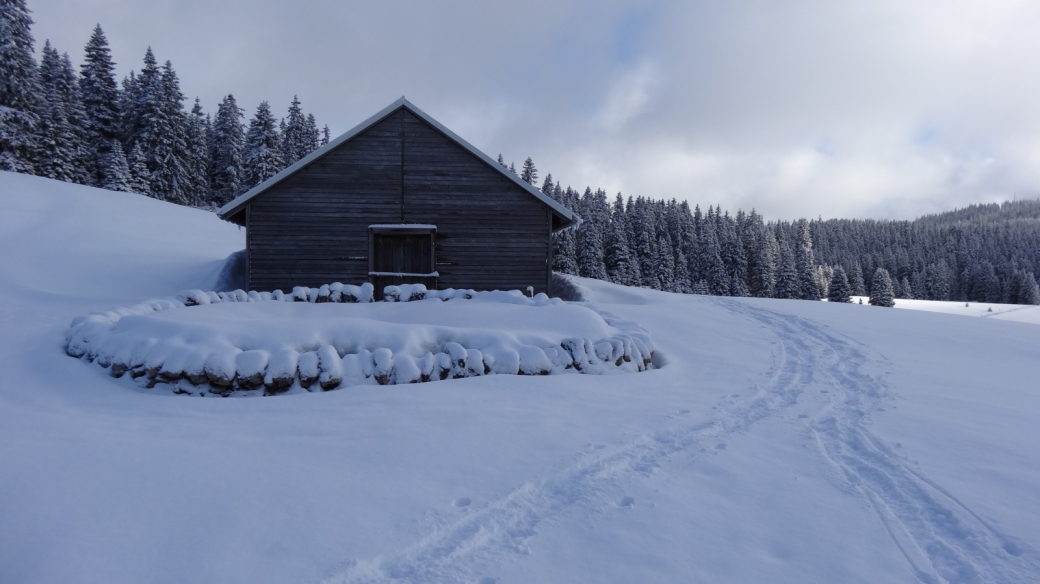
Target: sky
{"x": 884, "y": 109}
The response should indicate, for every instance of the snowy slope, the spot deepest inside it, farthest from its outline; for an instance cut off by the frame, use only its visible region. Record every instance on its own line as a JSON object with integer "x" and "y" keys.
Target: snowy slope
{"x": 782, "y": 441}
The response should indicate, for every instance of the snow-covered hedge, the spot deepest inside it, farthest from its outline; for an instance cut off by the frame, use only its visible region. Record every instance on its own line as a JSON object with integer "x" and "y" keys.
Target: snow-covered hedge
{"x": 165, "y": 348}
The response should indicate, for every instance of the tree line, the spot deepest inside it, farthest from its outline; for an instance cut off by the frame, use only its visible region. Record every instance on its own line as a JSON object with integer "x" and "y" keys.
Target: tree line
{"x": 135, "y": 136}
{"x": 985, "y": 253}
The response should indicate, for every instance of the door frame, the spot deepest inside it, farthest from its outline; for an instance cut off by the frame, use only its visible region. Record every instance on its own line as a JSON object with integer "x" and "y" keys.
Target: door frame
{"x": 429, "y": 278}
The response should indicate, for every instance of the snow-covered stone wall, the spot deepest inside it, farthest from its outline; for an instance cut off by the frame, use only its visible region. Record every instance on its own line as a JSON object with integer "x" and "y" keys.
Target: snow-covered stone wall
{"x": 264, "y": 343}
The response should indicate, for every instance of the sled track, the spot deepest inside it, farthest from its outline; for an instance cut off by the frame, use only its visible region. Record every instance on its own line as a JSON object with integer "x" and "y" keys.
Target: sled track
{"x": 941, "y": 539}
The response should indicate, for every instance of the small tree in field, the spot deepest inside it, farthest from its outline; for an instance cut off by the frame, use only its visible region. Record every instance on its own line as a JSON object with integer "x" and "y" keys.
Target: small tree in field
{"x": 839, "y": 290}
{"x": 881, "y": 292}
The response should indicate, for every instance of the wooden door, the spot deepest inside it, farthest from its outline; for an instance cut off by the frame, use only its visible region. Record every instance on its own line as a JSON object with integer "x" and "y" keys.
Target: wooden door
{"x": 402, "y": 258}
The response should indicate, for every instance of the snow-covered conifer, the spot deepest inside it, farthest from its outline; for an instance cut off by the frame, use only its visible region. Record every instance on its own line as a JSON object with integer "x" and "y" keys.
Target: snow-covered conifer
{"x": 117, "y": 171}
{"x": 859, "y": 286}
{"x": 681, "y": 281}
{"x": 664, "y": 261}
{"x": 788, "y": 284}
{"x": 839, "y": 289}
{"x": 100, "y": 97}
{"x": 1024, "y": 288}
{"x": 904, "y": 285}
{"x": 262, "y": 158}
{"x": 59, "y": 153}
{"x": 937, "y": 281}
{"x": 617, "y": 257}
{"x": 140, "y": 178}
{"x": 198, "y": 153}
{"x": 590, "y": 252}
{"x": 763, "y": 272}
{"x": 806, "y": 263}
{"x": 313, "y": 134}
{"x": 164, "y": 138}
{"x": 881, "y": 291}
{"x": 529, "y": 174}
{"x": 548, "y": 185}
{"x": 21, "y": 98}
{"x": 295, "y": 136}
{"x": 734, "y": 256}
{"x": 226, "y": 151}
{"x": 325, "y": 136}
{"x": 711, "y": 268}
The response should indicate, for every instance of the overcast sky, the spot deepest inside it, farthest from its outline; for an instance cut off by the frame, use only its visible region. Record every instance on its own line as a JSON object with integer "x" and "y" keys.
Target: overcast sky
{"x": 879, "y": 108}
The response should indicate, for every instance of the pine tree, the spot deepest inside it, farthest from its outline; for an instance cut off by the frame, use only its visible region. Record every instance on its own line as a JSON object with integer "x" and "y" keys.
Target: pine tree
{"x": 548, "y": 187}
{"x": 529, "y": 174}
{"x": 617, "y": 257}
{"x": 734, "y": 257}
{"x": 859, "y": 287}
{"x": 139, "y": 98}
{"x": 645, "y": 228}
{"x": 296, "y": 136}
{"x": 822, "y": 276}
{"x": 140, "y": 178}
{"x": 806, "y": 263}
{"x": 937, "y": 281}
{"x": 904, "y": 285}
{"x": 100, "y": 98}
{"x": 502, "y": 160}
{"x": 324, "y": 136}
{"x": 262, "y": 158}
{"x": 117, "y": 171}
{"x": 59, "y": 147}
{"x": 20, "y": 94}
{"x": 839, "y": 289}
{"x": 564, "y": 245}
{"x": 665, "y": 263}
{"x": 788, "y": 284}
{"x": 711, "y": 268}
{"x": 1024, "y": 288}
{"x": 681, "y": 283}
{"x": 77, "y": 118}
{"x": 164, "y": 138}
{"x": 881, "y": 292}
{"x": 198, "y": 155}
{"x": 590, "y": 252}
{"x": 763, "y": 273}
{"x": 226, "y": 152}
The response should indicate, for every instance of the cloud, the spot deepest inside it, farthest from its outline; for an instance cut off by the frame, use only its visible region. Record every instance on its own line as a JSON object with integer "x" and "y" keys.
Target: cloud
{"x": 796, "y": 107}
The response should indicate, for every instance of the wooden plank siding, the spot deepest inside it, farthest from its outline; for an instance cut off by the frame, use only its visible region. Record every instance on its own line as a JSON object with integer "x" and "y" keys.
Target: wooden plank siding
{"x": 312, "y": 228}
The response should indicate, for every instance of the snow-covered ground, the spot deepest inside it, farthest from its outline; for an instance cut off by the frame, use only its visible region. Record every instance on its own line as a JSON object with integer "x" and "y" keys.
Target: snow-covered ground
{"x": 1016, "y": 312}
{"x": 780, "y": 441}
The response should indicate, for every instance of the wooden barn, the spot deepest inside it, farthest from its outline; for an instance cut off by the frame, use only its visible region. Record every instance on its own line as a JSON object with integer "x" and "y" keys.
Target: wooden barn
{"x": 398, "y": 199}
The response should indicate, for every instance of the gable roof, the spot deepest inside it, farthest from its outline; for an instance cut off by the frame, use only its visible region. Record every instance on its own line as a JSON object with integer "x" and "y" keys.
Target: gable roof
{"x": 233, "y": 208}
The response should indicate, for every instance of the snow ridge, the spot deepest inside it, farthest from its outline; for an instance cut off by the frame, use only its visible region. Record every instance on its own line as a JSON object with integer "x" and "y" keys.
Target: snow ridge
{"x": 941, "y": 539}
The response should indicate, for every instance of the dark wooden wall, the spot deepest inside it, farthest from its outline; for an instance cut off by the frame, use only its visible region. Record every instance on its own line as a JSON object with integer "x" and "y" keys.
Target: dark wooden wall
{"x": 312, "y": 228}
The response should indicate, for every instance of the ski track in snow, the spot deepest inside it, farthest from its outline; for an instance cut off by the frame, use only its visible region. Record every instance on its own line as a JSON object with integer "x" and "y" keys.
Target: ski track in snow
{"x": 816, "y": 371}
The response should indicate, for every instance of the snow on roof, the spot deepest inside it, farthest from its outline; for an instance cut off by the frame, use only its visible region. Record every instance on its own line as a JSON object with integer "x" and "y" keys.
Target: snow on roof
{"x": 235, "y": 205}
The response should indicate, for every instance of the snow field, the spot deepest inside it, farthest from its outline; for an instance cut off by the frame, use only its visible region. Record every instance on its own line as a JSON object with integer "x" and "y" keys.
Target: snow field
{"x": 349, "y": 342}
{"x": 1015, "y": 312}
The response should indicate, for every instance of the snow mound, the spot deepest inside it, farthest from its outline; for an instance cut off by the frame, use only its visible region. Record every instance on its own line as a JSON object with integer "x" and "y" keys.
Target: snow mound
{"x": 267, "y": 343}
